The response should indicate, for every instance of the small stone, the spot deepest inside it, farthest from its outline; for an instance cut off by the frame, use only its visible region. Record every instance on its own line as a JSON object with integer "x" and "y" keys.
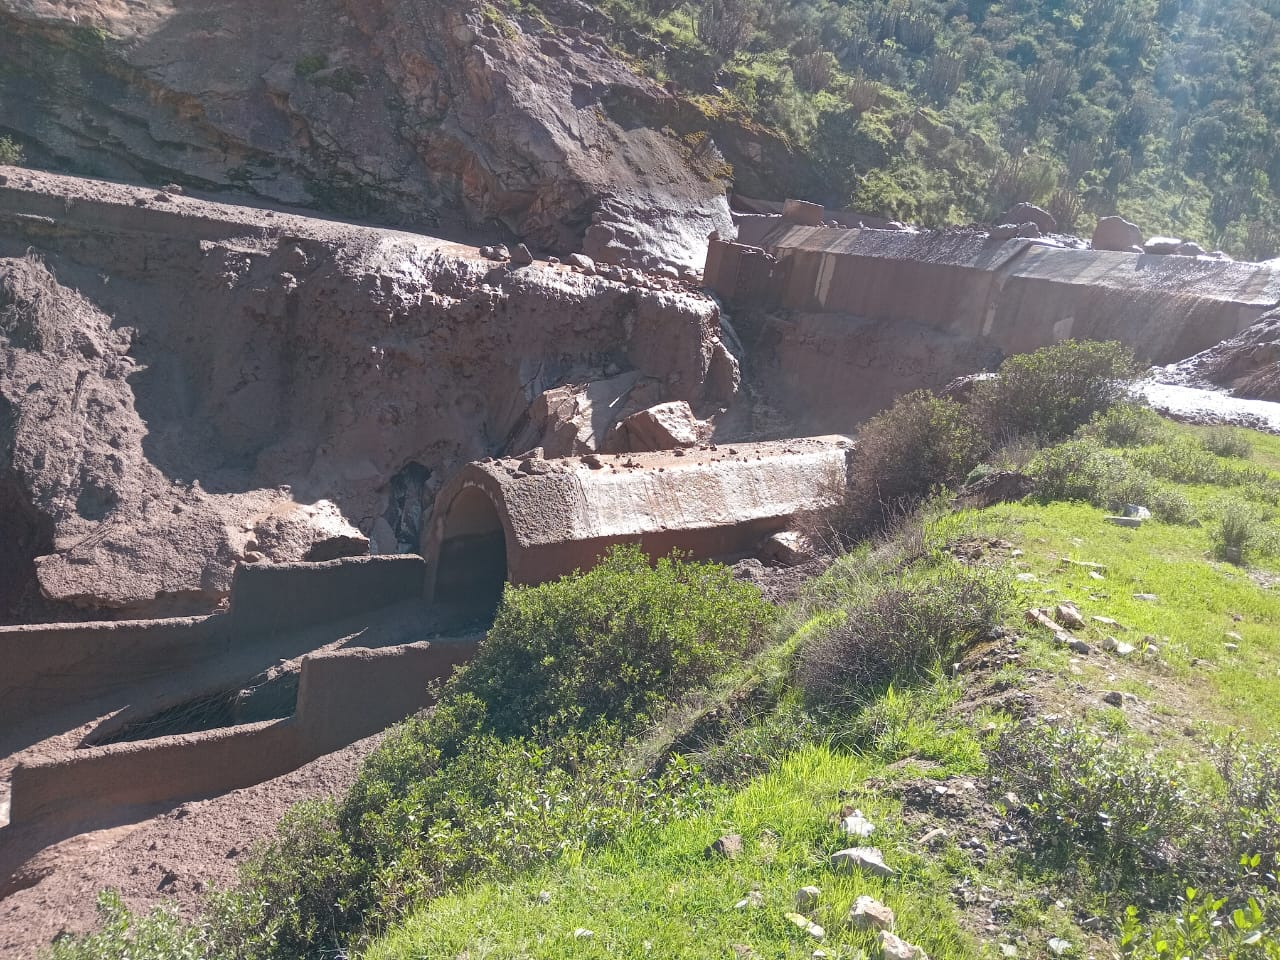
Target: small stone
{"x": 1124, "y": 521}
{"x": 1076, "y": 645}
{"x": 582, "y": 933}
{"x": 1231, "y": 647}
{"x": 868, "y": 913}
{"x": 1148, "y": 597}
{"x": 895, "y": 948}
{"x": 1095, "y": 575}
{"x": 1232, "y": 635}
{"x": 1137, "y": 511}
{"x": 1015, "y": 554}
{"x": 807, "y": 925}
{"x": 581, "y": 261}
{"x": 933, "y": 837}
{"x": 1108, "y": 622}
{"x": 1067, "y": 615}
{"x": 807, "y": 898}
{"x": 856, "y": 825}
{"x": 1026, "y": 578}
{"x": 1113, "y": 698}
{"x": 869, "y": 859}
{"x": 753, "y": 900}
{"x": 544, "y": 897}
{"x": 729, "y": 846}
{"x": 1059, "y": 947}
{"x": 1112, "y": 645}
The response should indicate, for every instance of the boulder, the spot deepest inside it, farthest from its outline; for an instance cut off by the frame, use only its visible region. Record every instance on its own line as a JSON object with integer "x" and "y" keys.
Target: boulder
{"x": 314, "y": 532}
{"x": 1189, "y": 248}
{"x": 1162, "y": 246}
{"x": 787, "y": 548}
{"x": 1003, "y": 231}
{"x": 520, "y": 256}
{"x": 582, "y": 262}
{"x": 1030, "y": 213}
{"x": 803, "y": 213}
{"x": 1116, "y": 233}
{"x": 666, "y": 426}
{"x": 807, "y": 898}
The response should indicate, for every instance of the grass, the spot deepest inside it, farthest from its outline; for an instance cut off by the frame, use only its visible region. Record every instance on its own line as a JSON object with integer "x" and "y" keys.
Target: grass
{"x": 655, "y": 893}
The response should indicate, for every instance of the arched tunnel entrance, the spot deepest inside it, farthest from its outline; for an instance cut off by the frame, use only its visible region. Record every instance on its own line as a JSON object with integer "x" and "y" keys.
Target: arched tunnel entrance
{"x": 472, "y": 562}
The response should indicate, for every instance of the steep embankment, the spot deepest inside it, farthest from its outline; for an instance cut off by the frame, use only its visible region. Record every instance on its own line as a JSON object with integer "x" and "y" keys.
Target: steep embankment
{"x": 188, "y": 385}
{"x": 429, "y": 114}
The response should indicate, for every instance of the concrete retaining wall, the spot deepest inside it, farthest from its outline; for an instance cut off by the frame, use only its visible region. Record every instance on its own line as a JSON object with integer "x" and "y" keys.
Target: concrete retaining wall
{"x": 1015, "y": 295}
{"x": 46, "y": 668}
{"x": 343, "y": 696}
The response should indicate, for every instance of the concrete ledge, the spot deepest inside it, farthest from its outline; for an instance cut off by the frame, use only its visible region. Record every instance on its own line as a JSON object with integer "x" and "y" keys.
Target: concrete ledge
{"x": 286, "y": 596}
{"x": 47, "y": 667}
{"x": 343, "y": 696}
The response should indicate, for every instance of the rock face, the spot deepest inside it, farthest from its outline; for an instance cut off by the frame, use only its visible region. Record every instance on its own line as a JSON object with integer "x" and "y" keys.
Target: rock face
{"x": 1116, "y": 233}
{"x": 427, "y": 114}
{"x": 185, "y": 386}
{"x": 1247, "y": 365}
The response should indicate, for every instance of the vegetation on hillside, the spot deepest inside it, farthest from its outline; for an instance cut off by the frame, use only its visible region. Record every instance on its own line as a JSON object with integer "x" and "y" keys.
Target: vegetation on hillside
{"x": 948, "y": 111}
{"x": 1105, "y": 786}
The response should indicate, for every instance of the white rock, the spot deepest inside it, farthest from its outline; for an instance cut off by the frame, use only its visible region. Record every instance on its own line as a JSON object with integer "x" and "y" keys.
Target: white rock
{"x": 857, "y": 825}
{"x": 582, "y": 933}
{"x": 868, "y": 913}
{"x": 807, "y": 898}
{"x": 807, "y": 925}
{"x": 869, "y": 859}
{"x": 895, "y": 948}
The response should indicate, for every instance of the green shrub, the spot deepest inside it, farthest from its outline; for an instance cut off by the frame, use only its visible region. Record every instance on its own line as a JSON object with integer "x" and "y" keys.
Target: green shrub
{"x": 1238, "y": 530}
{"x": 1082, "y": 470}
{"x": 1135, "y": 818}
{"x": 124, "y": 935}
{"x": 1052, "y": 392}
{"x": 1096, "y": 797}
{"x": 1126, "y": 425}
{"x": 615, "y": 643}
{"x": 1227, "y": 442}
{"x": 921, "y": 443}
{"x": 10, "y": 152}
{"x": 1184, "y": 460}
{"x": 899, "y": 632}
{"x": 1205, "y": 928}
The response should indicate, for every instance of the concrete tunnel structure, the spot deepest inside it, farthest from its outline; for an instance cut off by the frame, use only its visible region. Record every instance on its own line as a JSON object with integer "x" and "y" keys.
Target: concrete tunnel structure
{"x": 534, "y": 520}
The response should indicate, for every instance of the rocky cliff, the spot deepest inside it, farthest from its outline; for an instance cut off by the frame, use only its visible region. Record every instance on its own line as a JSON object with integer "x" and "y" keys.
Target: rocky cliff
{"x": 418, "y": 113}
{"x": 185, "y": 386}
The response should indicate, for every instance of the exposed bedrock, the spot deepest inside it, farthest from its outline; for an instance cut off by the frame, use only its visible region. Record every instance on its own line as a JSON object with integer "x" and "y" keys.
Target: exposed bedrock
{"x": 185, "y": 386}
{"x": 413, "y": 112}
{"x": 1246, "y": 365}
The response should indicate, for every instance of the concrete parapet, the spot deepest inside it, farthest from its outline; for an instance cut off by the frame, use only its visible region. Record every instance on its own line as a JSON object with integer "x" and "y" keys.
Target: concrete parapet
{"x": 1016, "y": 295}
{"x": 286, "y": 596}
{"x": 536, "y": 520}
{"x": 343, "y": 696}
{"x": 47, "y": 667}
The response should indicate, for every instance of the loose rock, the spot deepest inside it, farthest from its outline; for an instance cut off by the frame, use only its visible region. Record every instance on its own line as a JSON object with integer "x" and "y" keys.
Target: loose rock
{"x": 857, "y": 825}
{"x": 1116, "y": 233}
{"x": 895, "y": 948}
{"x": 868, "y": 913}
{"x": 868, "y": 859}
{"x": 807, "y": 898}
{"x": 729, "y": 846}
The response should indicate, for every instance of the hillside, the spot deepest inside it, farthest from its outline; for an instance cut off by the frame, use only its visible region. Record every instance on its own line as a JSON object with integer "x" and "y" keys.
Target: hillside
{"x": 1056, "y": 732}
{"x": 544, "y": 120}
{"x": 946, "y": 111}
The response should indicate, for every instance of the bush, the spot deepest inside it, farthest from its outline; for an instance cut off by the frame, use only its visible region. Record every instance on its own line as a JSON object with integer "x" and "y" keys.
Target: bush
{"x": 1227, "y": 442}
{"x": 901, "y": 631}
{"x": 158, "y": 935}
{"x": 1133, "y": 816}
{"x": 1086, "y": 795}
{"x": 1238, "y": 530}
{"x": 1126, "y": 425}
{"x": 1057, "y": 389}
{"x": 1082, "y": 470}
{"x": 10, "y": 153}
{"x": 921, "y": 443}
{"x": 614, "y": 644}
